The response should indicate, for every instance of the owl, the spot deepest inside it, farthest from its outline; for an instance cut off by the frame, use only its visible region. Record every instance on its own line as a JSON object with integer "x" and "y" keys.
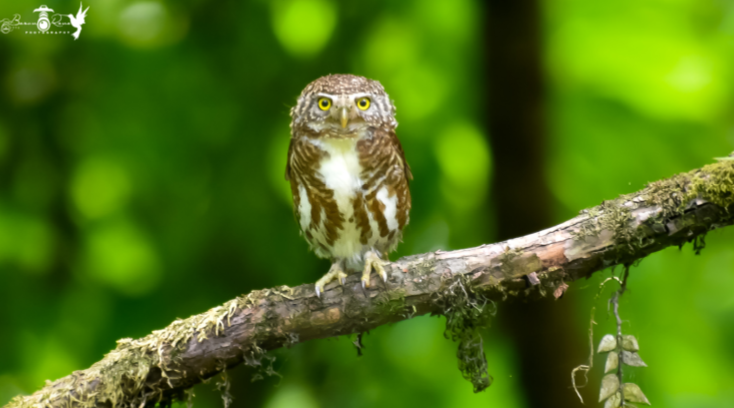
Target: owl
{"x": 348, "y": 175}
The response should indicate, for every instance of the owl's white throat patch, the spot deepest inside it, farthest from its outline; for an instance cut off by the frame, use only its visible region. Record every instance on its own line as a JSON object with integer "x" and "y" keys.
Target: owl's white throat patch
{"x": 340, "y": 168}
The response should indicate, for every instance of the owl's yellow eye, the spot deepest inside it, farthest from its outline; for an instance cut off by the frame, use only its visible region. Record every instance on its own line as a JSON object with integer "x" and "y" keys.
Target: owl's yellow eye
{"x": 324, "y": 103}
{"x": 363, "y": 103}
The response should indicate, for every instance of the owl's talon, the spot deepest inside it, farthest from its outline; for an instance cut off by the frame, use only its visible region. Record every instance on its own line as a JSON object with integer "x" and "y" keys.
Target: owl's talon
{"x": 336, "y": 272}
{"x": 371, "y": 260}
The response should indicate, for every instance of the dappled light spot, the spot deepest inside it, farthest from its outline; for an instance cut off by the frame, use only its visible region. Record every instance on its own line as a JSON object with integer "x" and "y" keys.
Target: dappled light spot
{"x": 465, "y": 161}
{"x": 99, "y": 187}
{"x": 119, "y": 255}
{"x": 303, "y": 27}
{"x": 456, "y": 19}
{"x": 150, "y": 24}
{"x": 292, "y": 395}
{"x": 691, "y": 74}
{"x": 420, "y": 90}
{"x": 391, "y": 46}
{"x": 26, "y": 242}
{"x": 31, "y": 84}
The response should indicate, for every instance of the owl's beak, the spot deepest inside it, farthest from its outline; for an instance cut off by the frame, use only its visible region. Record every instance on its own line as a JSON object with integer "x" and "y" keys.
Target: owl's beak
{"x": 344, "y": 118}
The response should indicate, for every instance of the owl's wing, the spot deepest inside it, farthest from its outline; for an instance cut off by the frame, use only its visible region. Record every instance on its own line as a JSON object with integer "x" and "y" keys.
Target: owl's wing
{"x": 398, "y": 149}
{"x": 288, "y": 162}
{"x": 302, "y": 160}
{"x": 384, "y": 165}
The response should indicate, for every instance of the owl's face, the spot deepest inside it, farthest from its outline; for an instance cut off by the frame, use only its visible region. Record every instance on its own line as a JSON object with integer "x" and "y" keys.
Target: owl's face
{"x": 342, "y": 106}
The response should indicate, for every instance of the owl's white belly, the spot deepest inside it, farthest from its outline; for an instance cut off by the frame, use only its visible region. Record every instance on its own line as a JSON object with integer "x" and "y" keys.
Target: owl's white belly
{"x": 341, "y": 172}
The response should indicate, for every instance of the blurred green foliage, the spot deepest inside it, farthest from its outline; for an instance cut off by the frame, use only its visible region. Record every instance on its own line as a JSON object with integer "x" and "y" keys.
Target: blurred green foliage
{"x": 141, "y": 179}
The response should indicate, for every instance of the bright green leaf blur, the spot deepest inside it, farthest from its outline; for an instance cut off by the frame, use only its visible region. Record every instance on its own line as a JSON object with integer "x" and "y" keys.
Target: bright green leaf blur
{"x": 292, "y": 396}
{"x": 119, "y": 255}
{"x": 99, "y": 187}
{"x": 26, "y": 242}
{"x": 303, "y": 26}
{"x": 464, "y": 158}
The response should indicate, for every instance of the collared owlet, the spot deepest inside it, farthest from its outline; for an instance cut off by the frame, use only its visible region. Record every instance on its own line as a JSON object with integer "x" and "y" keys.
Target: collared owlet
{"x": 348, "y": 175}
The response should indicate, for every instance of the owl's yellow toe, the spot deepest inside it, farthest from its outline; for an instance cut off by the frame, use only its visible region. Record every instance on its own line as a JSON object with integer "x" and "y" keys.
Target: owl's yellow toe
{"x": 371, "y": 260}
{"x": 336, "y": 272}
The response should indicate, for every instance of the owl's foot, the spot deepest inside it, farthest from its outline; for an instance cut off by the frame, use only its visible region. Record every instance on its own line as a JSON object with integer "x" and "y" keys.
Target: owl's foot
{"x": 336, "y": 272}
{"x": 372, "y": 260}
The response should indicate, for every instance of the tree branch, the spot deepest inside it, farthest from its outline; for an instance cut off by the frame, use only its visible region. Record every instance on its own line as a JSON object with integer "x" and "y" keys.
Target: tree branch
{"x": 160, "y": 366}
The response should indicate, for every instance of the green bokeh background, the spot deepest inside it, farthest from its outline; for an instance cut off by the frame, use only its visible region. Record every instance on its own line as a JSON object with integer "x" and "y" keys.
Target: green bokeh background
{"x": 141, "y": 179}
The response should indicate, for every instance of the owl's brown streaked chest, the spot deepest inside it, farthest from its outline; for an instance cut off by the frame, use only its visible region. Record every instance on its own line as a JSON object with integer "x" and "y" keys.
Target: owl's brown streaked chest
{"x": 342, "y": 202}
{"x": 340, "y": 172}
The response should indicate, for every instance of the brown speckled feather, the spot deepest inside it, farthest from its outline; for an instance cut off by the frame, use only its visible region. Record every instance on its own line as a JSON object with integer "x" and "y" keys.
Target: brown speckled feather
{"x": 383, "y": 165}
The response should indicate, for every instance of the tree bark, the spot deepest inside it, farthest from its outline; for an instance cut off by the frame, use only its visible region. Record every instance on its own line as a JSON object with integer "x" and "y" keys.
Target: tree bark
{"x": 160, "y": 366}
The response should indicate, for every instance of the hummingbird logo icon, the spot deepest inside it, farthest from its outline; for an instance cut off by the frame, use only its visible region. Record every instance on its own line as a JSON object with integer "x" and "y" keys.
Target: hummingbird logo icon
{"x": 77, "y": 21}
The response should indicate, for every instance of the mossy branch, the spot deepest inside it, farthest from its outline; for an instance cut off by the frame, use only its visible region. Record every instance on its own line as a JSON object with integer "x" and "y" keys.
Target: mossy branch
{"x": 162, "y": 365}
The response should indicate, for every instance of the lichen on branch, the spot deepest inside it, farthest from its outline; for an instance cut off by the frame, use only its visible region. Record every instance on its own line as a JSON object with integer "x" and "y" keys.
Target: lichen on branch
{"x": 467, "y": 311}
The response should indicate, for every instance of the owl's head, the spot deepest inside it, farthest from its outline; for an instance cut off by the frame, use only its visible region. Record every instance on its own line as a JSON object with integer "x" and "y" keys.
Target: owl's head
{"x": 342, "y": 105}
